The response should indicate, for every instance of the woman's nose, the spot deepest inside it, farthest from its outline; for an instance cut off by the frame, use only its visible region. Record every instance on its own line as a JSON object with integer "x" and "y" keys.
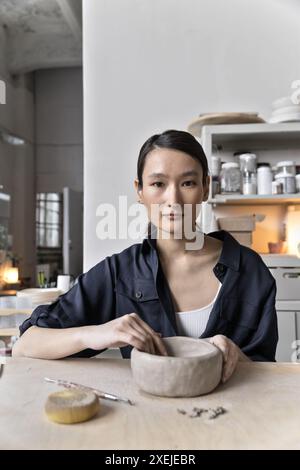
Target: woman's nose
{"x": 173, "y": 195}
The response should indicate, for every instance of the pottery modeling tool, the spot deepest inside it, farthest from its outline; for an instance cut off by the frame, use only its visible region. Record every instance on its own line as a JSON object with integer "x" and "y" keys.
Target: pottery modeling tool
{"x": 71, "y": 406}
{"x": 99, "y": 393}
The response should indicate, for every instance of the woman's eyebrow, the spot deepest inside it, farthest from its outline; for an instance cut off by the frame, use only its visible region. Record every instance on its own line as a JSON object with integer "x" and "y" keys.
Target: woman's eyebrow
{"x": 190, "y": 173}
{"x": 162, "y": 175}
{"x": 157, "y": 175}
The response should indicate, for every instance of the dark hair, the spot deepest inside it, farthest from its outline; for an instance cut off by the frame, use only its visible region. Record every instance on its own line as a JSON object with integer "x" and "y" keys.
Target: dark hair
{"x": 176, "y": 140}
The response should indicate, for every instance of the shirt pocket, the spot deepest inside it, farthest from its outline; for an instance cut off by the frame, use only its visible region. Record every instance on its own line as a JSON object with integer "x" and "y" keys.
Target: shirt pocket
{"x": 238, "y": 312}
{"x": 140, "y": 297}
{"x": 138, "y": 290}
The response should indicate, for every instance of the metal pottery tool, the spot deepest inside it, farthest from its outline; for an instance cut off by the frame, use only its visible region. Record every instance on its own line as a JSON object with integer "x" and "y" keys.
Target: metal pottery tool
{"x": 99, "y": 393}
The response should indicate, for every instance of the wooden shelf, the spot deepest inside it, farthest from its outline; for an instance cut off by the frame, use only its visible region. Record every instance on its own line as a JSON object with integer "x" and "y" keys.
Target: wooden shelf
{"x": 252, "y": 136}
{"x": 255, "y": 199}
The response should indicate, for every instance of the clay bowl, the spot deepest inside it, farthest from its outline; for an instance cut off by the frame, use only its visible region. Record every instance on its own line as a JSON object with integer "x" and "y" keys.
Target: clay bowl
{"x": 192, "y": 368}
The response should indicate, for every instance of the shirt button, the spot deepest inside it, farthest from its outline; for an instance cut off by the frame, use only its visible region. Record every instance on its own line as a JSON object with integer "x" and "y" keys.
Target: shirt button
{"x": 138, "y": 294}
{"x": 219, "y": 269}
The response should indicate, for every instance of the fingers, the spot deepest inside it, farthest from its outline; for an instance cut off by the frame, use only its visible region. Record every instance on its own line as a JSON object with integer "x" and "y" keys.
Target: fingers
{"x": 141, "y": 326}
{"x": 144, "y": 337}
{"x": 133, "y": 338}
{"x": 131, "y": 329}
{"x": 230, "y": 355}
{"x": 222, "y": 344}
{"x": 229, "y": 365}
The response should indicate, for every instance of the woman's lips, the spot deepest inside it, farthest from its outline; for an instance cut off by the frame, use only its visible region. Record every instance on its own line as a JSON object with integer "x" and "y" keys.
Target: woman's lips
{"x": 173, "y": 216}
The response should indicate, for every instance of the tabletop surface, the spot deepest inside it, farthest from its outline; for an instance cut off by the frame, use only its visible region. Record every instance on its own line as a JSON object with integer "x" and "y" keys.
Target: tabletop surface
{"x": 262, "y": 402}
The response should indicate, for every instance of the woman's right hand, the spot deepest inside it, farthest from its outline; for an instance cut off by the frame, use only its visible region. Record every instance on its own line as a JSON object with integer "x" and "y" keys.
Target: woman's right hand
{"x": 127, "y": 330}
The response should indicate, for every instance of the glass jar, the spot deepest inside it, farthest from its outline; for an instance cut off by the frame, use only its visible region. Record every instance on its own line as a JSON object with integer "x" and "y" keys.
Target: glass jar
{"x": 288, "y": 182}
{"x": 248, "y": 162}
{"x": 277, "y": 187}
{"x": 215, "y": 175}
{"x": 298, "y": 183}
{"x": 249, "y": 182}
{"x": 230, "y": 178}
{"x": 286, "y": 166}
{"x": 248, "y": 173}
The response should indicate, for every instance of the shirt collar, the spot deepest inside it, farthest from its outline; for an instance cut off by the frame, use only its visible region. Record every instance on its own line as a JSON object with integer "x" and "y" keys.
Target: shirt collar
{"x": 230, "y": 254}
{"x": 231, "y": 251}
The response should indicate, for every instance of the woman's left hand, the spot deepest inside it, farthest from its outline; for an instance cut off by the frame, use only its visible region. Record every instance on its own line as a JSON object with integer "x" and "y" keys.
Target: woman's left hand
{"x": 231, "y": 354}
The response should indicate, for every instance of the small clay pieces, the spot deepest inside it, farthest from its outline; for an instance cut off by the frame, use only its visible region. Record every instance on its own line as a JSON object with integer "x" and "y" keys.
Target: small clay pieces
{"x": 193, "y": 367}
{"x": 212, "y": 413}
{"x": 71, "y": 406}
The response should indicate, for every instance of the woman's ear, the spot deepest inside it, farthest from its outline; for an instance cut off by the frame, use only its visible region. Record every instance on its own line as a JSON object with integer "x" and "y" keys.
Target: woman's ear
{"x": 137, "y": 189}
{"x": 206, "y": 188}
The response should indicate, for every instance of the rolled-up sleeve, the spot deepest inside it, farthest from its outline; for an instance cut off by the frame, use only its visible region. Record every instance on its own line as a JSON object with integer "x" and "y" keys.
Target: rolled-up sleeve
{"x": 262, "y": 346}
{"x": 90, "y": 302}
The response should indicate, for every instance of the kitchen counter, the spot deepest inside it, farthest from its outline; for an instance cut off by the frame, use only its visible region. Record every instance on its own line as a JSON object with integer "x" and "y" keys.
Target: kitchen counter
{"x": 262, "y": 402}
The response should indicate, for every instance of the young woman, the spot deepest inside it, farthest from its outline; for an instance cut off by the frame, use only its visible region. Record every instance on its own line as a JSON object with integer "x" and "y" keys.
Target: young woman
{"x": 162, "y": 287}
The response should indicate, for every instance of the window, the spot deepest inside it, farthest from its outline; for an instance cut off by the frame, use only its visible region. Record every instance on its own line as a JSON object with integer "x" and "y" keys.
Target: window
{"x": 49, "y": 220}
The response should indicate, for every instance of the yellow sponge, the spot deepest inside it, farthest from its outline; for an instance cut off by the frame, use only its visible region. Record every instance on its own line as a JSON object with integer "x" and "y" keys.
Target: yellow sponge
{"x": 71, "y": 406}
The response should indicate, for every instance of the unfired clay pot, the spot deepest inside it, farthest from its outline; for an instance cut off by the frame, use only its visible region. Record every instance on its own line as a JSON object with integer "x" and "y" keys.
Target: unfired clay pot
{"x": 193, "y": 368}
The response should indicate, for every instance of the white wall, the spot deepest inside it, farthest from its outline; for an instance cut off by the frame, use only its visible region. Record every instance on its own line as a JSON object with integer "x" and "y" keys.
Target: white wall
{"x": 17, "y": 163}
{"x": 153, "y": 65}
{"x": 59, "y": 129}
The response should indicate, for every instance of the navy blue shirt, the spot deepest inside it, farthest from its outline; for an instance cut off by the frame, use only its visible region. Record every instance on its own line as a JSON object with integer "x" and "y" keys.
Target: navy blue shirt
{"x": 133, "y": 281}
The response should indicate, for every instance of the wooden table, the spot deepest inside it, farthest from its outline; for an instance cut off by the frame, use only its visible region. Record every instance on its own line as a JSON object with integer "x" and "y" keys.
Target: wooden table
{"x": 262, "y": 399}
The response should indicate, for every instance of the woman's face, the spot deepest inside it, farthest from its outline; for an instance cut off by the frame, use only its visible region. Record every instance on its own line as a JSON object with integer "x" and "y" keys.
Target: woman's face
{"x": 172, "y": 189}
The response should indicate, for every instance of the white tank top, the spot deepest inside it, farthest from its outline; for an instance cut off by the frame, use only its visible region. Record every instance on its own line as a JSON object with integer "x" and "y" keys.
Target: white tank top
{"x": 193, "y": 322}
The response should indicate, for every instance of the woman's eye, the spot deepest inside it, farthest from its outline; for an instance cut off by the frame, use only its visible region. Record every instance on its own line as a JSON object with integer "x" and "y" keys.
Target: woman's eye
{"x": 160, "y": 184}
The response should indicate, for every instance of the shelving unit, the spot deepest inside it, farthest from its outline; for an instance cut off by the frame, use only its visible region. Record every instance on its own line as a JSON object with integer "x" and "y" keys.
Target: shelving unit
{"x": 256, "y": 199}
{"x": 271, "y": 143}
{"x": 255, "y": 136}
{"x": 288, "y": 315}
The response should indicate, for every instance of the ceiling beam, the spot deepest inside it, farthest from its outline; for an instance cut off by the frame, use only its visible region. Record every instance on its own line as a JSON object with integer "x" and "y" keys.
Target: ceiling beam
{"x": 42, "y": 51}
{"x": 72, "y": 17}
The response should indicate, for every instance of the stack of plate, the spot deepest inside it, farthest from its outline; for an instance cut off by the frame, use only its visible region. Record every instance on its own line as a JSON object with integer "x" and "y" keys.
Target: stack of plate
{"x": 284, "y": 110}
{"x": 40, "y": 296}
{"x": 211, "y": 119}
